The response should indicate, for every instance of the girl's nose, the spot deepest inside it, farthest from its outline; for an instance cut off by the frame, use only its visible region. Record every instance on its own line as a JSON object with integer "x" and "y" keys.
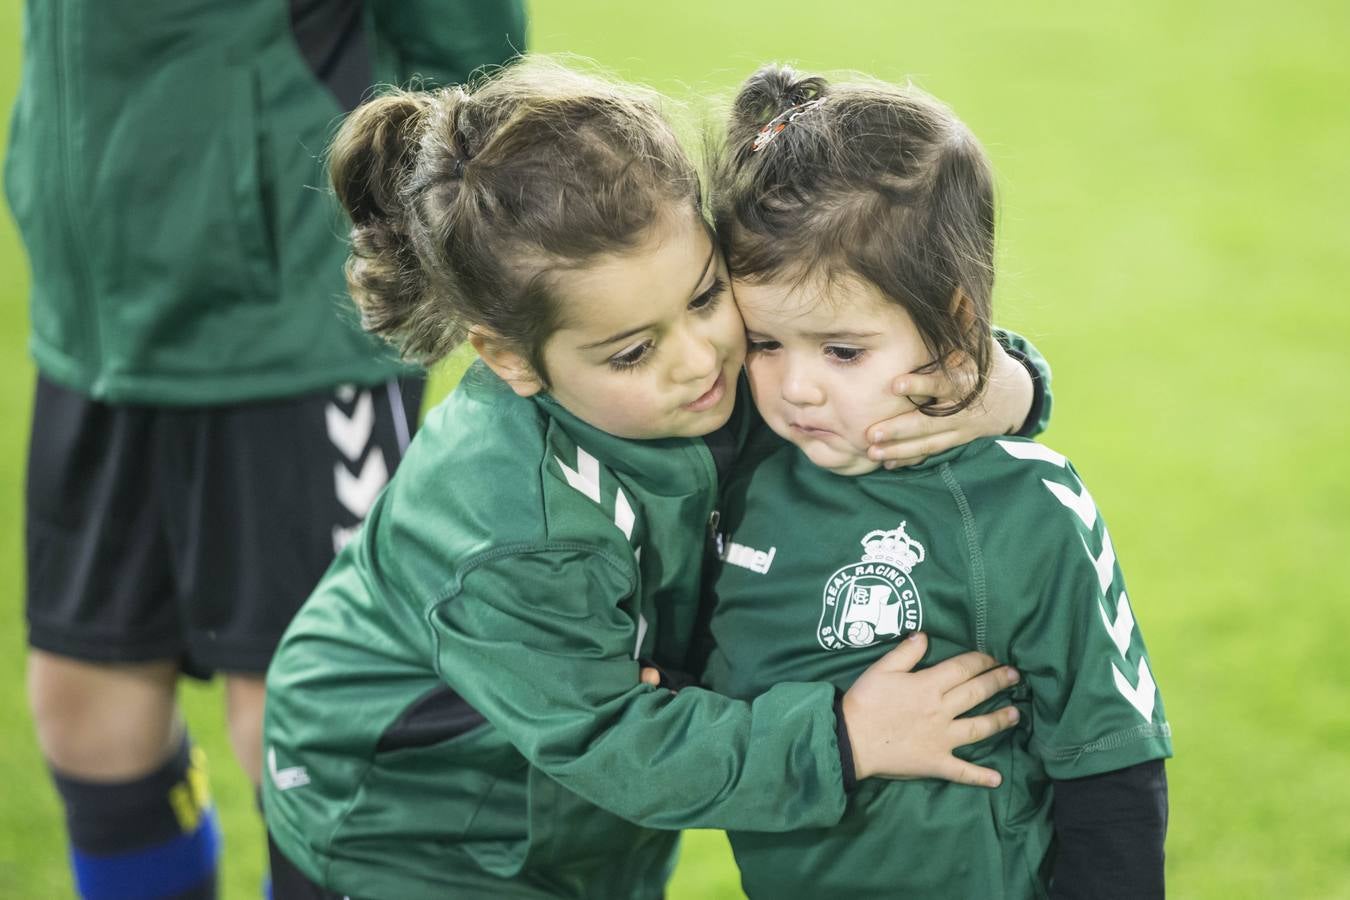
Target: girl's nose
{"x": 800, "y": 389}
{"x": 698, "y": 359}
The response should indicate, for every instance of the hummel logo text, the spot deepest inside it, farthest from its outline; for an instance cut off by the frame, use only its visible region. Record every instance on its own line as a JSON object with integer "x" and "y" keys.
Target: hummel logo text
{"x": 749, "y": 557}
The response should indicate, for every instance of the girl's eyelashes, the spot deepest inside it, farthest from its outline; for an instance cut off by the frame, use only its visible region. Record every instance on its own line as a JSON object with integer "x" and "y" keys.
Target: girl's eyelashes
{"x": 708, "y": 300}
{"x": 840, "y": 355}
{"x": 705, "y": 302}
{"x": 632, "y": 359}
{"x": 844, "y": 355}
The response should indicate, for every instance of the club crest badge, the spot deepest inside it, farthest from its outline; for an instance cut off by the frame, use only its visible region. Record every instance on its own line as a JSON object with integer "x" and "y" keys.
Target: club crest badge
{"x": 875, "y": 597}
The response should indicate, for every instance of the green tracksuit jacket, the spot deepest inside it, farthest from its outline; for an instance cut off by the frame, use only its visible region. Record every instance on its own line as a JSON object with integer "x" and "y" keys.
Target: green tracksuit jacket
{"x": 165, "y": 170}
{"x": 451, "y": 708}
{"x": 996, "y": 546}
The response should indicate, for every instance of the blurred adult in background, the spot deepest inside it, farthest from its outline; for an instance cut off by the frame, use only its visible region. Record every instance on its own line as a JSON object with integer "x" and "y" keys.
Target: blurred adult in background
{"x": 210, "y": 422}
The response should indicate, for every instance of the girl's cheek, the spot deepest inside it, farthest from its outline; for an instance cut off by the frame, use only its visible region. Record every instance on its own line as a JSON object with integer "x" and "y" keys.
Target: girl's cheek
{"x": 734, "y": 332}
{"x": 760, "y": 370}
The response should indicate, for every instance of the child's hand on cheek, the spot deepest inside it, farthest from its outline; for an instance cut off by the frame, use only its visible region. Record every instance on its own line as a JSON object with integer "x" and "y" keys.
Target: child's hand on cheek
{"x": 912, "y": 437}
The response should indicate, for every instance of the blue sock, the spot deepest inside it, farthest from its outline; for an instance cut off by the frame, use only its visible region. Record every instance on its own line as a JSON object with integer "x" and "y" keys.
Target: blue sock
{"x": 154, "y": 838}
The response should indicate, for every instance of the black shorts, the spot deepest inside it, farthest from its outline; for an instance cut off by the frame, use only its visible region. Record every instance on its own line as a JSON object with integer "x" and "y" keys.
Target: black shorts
{"x": 195, "y": 533}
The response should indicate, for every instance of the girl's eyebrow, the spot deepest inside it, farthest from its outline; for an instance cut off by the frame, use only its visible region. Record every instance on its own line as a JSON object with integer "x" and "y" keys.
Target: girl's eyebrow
{"x": 618, "y": 337}
{"x": 712, "y": 254}
{"x": 838, "y": 335}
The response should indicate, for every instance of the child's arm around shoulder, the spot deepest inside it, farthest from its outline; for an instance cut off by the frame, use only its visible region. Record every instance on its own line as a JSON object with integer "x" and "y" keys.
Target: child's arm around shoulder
{"x": 537, "y": 640}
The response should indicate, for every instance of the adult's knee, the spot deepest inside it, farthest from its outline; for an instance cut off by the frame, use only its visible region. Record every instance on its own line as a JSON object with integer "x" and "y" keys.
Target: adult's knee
{"x": 103, "y": 721}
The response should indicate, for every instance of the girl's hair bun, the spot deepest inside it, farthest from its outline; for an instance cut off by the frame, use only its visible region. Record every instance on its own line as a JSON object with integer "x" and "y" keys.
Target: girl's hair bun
{"x": 374, "y": 154}
{"x": 772, "y": 91}
{"x": 369, "y": 164}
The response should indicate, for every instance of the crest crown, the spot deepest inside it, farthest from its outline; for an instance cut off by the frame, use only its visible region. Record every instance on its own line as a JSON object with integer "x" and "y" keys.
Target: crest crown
{"x": 894, "y": 547}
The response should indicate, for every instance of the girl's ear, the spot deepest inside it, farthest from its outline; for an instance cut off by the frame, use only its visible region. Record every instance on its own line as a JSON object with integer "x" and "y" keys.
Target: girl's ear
{"x": 963, "y": 310}
{"x": 509, "y": 365}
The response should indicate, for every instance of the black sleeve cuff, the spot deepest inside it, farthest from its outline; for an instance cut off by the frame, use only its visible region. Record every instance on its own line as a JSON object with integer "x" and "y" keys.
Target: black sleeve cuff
{"x": 1029, "y": 424}
{"x": 845, "y": 745}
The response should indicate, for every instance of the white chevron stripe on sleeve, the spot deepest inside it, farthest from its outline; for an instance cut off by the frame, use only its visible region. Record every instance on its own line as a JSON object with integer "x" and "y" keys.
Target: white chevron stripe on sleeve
{"x": 641, "y": 633}
{"x": 1081, "y": 503}
{"x": 1140, "y": 696}
{"x": 642, "y": 620}
{"x": 1123, "y": 627}
{"x": 624, "y": 516}
{"x": 586, "y": 476}
{"x": 1032, "y": 451}
{"x": 1104, "y": 562}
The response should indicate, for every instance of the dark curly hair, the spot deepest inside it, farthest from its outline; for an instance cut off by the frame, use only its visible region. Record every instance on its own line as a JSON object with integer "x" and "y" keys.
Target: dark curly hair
{"x": 862, "y": 179}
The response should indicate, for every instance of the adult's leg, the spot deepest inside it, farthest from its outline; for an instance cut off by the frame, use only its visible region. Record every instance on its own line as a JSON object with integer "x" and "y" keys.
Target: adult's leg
{"x": 244, "y": 715}
{"x": 104, "y": 638}
{"x": 138, "y": 810}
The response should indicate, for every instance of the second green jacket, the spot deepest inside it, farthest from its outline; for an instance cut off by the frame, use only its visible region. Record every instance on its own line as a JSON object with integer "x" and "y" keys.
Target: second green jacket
{"x": 165, "y": 168}
{"x": 456, "y": 710}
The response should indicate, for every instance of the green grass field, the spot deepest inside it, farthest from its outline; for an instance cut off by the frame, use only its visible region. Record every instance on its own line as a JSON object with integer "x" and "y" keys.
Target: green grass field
{"x": 1173, "y": 236}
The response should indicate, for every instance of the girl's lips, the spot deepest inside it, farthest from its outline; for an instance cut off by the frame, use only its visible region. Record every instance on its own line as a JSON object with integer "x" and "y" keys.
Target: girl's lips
{"x": 808, "y": 430}
{"x": 711, "y": 397}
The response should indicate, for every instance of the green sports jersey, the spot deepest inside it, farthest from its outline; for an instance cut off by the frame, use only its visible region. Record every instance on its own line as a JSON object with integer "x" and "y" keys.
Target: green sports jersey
{"x": 996, "y": 546}
{"x": 450, "y": 710}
